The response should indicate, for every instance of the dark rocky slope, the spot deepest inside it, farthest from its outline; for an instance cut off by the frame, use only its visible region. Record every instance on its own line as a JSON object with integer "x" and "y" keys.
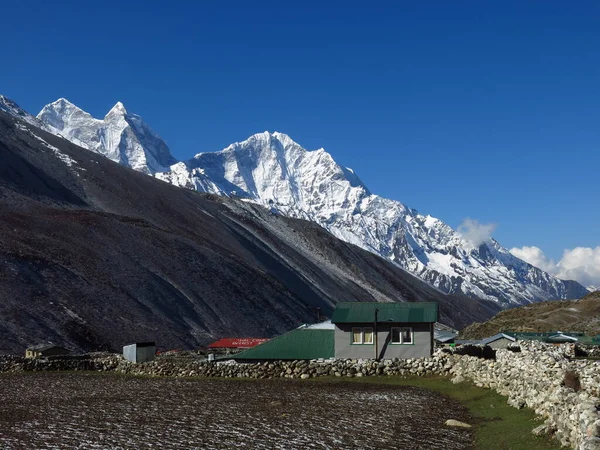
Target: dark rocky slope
{"x": 94, "y": 255}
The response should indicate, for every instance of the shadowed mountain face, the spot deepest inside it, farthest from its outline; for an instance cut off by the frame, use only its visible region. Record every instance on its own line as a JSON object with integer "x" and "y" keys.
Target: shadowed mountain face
{"x": 94, "y": 255}
{"x": 272, "y": 170}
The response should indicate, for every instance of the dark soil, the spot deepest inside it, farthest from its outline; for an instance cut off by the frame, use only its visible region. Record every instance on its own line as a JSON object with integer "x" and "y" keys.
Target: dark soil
{"x": 45, "y": 411}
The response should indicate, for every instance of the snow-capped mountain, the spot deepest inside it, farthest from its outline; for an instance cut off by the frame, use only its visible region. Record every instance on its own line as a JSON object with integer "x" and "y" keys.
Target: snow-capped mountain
{"x": 120, "y": 136}
{"x": 273, "y": 170}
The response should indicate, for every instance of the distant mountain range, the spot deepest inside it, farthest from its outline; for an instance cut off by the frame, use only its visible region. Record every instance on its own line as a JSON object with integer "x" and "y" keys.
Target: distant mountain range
{"x": 272, "y": 170}
{"x": 94, "y": 255}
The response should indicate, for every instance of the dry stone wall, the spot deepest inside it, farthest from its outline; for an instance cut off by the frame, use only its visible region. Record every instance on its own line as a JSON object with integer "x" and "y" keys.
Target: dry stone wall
{"x": 531, "y": 375}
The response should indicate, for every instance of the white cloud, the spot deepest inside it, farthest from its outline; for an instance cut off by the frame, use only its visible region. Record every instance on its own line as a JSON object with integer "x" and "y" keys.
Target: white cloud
{"x": 536, "y": 257}
{"x": 581, "y": 264}
{"x": 475, "y": 233}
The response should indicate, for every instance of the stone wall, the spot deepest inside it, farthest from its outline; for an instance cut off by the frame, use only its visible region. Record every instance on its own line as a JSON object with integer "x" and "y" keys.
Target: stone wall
{"x": 530, "y": 375}
{"x": 534, "y": 377}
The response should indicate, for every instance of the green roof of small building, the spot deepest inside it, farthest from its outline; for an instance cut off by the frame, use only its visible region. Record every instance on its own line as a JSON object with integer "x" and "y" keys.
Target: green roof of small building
{"x": 300, "y": 343}
{"x": 405, "y": 312}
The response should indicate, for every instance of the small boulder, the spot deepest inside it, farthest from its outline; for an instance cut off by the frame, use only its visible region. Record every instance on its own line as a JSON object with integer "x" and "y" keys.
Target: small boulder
{"x": 456, "y": 423}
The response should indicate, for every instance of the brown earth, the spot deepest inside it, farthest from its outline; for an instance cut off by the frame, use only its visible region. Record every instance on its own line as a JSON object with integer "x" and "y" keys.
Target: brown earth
{"x": 569, "y": 315}
{"x": 45, "y": 411}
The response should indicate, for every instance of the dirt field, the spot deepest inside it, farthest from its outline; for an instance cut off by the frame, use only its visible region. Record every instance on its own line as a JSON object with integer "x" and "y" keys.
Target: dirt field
{"x": 43, "y": 411}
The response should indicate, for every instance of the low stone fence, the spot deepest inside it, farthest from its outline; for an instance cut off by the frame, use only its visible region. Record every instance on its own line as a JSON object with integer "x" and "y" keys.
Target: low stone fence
{"x": 535, "y": 377}
{"x": 530, "y": 374}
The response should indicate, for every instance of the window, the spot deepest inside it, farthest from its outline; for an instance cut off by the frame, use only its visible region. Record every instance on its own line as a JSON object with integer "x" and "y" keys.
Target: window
{"x": 407, "y": 335}
{"x": 357, "y": 335}
{"x": 367, "y": 335}
{"x": 362, "y": 335}
{"x": 402, "y": 335}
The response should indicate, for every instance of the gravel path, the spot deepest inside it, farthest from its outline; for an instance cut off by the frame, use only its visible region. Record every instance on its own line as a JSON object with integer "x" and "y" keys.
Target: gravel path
{"x": 54, "y": 410}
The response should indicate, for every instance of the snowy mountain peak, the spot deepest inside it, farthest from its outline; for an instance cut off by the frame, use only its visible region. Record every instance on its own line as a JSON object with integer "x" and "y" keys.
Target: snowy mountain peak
{"x": 271, "y": 169}
{"x": 62, "y": 114}
{"x": 267, "y": 138}
{"x": 118, "y": 109}
{"x": 63, "y": 103}
{"x": 124, "y": 138}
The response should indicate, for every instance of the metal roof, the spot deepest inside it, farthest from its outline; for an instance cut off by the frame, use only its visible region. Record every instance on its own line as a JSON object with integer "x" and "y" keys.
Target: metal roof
{"x": 489, "y": 340}
{"x": 443, "y": 335}
{"x": 405, "y": 312}
{"x": 302, "y": 343}
{"x": 237, "y": 343}
{"x": 467, "y": 342}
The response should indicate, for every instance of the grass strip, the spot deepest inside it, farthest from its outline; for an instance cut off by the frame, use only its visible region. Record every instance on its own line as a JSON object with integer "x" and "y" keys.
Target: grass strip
{"x": 497, "y": 426}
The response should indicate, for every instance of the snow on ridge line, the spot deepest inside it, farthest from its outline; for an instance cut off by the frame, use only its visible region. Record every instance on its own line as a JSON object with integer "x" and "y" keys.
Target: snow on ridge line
{"x": 271, "y": 169}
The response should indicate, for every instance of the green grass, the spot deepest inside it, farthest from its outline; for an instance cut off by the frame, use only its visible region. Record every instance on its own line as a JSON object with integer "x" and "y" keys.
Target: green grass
{"x": 497, "y": 425}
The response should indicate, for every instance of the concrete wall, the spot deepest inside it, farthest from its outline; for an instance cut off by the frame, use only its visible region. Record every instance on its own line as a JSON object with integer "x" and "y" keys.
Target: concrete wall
{"x": 420, "y": 348}
{"x": 145, "y": 354}
{"x": 137, "y": 354}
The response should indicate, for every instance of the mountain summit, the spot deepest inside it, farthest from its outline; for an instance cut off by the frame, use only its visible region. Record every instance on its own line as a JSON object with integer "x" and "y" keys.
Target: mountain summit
{"x": 120, "y": 136}
{"x": 271, "y": 169}
{"x": 94, "y": 255}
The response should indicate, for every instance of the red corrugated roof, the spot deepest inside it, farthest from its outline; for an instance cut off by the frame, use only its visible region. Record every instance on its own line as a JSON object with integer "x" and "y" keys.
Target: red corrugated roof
{"x": 237, "y": 343}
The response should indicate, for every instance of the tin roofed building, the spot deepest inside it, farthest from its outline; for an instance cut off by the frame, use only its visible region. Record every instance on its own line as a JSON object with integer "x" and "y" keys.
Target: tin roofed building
{"x": 357, "y": 330}
{"x": 384, "y": 330}
{"x": 305, "y": 342}
{"x": 237, "y": 343}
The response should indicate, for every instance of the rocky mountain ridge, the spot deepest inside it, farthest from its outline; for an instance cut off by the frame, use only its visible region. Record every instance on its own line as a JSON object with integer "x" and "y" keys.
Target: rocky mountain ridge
{"x": 95, "y": 255}
{"x": 276, "y": 172}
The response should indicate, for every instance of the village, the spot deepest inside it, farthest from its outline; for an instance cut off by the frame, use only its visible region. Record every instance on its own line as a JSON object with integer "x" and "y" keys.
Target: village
{"x": 556, "y": 375}
{"x": 357, "y": 330}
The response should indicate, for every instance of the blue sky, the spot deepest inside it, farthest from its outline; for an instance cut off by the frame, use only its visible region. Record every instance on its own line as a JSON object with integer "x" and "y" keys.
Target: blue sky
{"x": 457, "y": 109}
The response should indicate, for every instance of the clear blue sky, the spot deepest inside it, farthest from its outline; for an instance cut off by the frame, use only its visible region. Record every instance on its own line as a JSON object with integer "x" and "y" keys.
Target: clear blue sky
{"x": 489, "y": 110}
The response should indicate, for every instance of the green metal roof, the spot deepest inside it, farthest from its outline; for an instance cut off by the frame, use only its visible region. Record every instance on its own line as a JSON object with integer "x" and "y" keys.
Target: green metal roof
{"x": 364, "y": 312}
{"x": 301, "y": 343}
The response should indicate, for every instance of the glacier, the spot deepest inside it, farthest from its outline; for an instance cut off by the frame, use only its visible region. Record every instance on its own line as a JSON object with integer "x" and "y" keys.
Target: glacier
{"x": 272, "y": 170}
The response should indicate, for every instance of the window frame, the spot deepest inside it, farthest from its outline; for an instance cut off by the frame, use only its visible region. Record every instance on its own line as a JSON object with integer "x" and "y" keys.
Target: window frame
{"x": 361, "y": 331}
{"x": 401, "y": 336}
